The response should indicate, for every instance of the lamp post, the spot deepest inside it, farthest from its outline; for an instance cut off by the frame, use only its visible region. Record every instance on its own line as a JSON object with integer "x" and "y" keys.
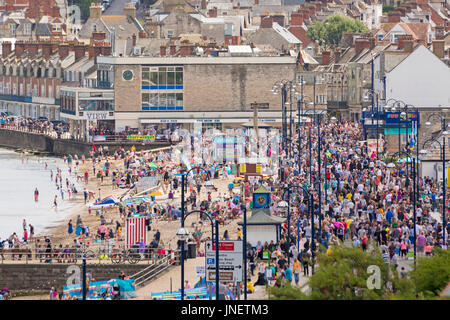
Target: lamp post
{"x": 285, "y": 86}
{"x": 303, "y": 98}
{"x": 183, "y": 235}
{"x": 183, "y": 209}
{"x": 288, "y": 189}
{"x": 444, "y": 133}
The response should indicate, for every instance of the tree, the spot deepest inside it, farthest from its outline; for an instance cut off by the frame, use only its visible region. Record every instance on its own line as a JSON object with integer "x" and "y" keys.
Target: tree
{"x": 432, "y": 274}
{"x": 329, "y": 32}
{"x": 349, "y": 273}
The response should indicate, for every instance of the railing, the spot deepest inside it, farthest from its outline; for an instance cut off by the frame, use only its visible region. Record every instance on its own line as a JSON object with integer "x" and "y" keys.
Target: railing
{"x": 66, "y": 135}
{"x": 145, "y": 275}
{"x": 45, "y": 131}
{"x": 153, "y": 256}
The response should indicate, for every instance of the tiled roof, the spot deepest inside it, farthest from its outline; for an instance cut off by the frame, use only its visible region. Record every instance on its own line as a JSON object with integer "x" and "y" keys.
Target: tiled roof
{"x": 300, "y": 33}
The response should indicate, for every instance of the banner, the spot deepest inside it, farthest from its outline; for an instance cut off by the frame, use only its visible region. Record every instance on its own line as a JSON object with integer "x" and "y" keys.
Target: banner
{"x": 372, "y": 146}
{"x": 98, "y": 138}
{"x": 140, "y": 137}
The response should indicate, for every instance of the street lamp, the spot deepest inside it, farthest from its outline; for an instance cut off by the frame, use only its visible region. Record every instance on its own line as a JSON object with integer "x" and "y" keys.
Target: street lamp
{"x": 183, "y": 235}
{"x": 445, "y": 133}
{"x": 286, "y": 204}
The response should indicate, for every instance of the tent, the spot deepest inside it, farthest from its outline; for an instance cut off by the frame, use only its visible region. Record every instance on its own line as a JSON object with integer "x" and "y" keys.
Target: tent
{"x": 136, "y": 200}
{"x": 127, "y": 289}
{"x": 195, "y": 293}
{"x": 104, "y": 203}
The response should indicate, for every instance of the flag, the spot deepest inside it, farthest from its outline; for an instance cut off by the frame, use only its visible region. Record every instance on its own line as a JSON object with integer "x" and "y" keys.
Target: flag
{"x": 93, "y": 147}
{"x": 135, "y": 231}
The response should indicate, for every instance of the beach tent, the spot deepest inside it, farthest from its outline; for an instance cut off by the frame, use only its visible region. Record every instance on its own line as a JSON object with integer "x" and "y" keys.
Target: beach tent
{"x": 136, "y": 200}
{"x": 103, "y": 203}
{"x": 194, "y": 293}
{"x": 127, "y": 289}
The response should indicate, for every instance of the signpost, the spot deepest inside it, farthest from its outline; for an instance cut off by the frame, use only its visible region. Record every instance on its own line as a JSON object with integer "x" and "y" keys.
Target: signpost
{"x": 230, "y": 261}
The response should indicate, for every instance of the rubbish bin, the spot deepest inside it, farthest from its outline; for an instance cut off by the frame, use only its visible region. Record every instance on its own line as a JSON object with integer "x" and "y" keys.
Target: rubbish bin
{"x": 192, "y": 250}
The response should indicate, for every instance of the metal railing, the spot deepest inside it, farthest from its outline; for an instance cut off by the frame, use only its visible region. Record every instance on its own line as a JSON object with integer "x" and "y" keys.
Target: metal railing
{"x": 145, "y": 275}
{"x": 74, "y": 255}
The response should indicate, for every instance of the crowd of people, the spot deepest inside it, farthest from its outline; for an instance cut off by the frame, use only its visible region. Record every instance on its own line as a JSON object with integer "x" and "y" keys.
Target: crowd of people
{"x": 365, "y": 203}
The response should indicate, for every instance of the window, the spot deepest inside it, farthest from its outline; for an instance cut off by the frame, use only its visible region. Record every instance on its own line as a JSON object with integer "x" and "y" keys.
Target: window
{"x": 162, "y": 76}
{"x": 28, "y": 28}
{"x": 169, "y": 33}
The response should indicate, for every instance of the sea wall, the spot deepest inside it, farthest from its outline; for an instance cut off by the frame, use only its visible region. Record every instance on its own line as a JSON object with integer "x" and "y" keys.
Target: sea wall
{"x": 45, "y": 276}
{"x": 59, "y": 147}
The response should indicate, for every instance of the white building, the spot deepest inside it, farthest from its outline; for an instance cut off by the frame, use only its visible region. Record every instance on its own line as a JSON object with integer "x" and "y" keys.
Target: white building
{"x": 421, "y": 80}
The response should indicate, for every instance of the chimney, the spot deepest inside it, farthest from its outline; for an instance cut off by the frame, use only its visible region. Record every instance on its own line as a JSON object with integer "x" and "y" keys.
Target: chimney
{"x": 63, "y": 50}
{"x": 47, "y": 50}
{"x": 129, "y": 10}
{"x": 95, "y": 10}
{"x": 142, "y": 34}
{"x": 203, "y": 4}
{"x": 256, "y": 2}
{"x": 212, "y": 13}
{"x": 80, "y": 50}
{"x": 305, "y": 13}
{"x": 106, "y": 49}
{"x": 186, "y": 49}
{"x": 408, "y": 46}
{"x": 337, "y": 54}
{"x": 361, "y": 43}
{"x": 19, "y": 48}
{"x": 266, "y": 22}
{"x": 393, "y": 16}
{"x": 173, "y": 49}
{"x": 401, "y": 40}
{"x": 326, "y": 57}
{"x": 162, "y": 50}
{"x": 32, "y": 49}
{"x": 296, "y": 19}
{"x": 98, "y": 48}
{"x": 439, "y": 32}
{"x": 438, "y": 48}
{"x": 372, "y": 42}
{"x": 98, "y": 36}
{"x": 239, "y": 5}
{"x": 134, "y": 39}
{"x": 6, "y": 48}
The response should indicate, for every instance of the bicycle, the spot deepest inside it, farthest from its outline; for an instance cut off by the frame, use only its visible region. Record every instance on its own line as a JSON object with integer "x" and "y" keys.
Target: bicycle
{"x": 131, "y": 255}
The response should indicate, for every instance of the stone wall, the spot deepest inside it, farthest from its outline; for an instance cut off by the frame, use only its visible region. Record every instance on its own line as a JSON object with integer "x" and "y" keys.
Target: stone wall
{"x": 39, "y": 142}
{"x": 45, "y": 276}
{"x": 233, "y": 87}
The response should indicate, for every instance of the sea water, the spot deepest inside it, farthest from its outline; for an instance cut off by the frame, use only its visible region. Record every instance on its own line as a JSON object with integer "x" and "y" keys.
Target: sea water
{"x": 18, "y": 180}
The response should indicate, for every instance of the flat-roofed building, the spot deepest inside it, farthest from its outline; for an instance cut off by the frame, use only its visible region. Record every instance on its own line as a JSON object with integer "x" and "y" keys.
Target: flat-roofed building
{"x": 215, "y": 91}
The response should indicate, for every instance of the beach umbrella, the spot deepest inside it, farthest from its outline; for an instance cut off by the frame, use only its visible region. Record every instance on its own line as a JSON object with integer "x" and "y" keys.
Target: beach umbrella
{"x": 156, "y": 194}
{"x": 152, "y": 165}
{"x": 391, "y": 165}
